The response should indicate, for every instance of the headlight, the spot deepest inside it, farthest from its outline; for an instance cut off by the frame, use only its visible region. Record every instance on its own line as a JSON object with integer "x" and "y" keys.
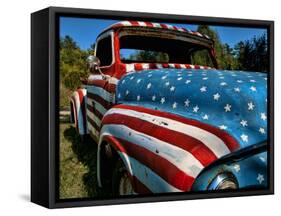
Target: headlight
{"x": 223, "y": 181}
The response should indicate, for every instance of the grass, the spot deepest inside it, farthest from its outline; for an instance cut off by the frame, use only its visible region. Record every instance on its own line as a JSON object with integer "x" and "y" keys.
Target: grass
{"x": 77, "y": 165}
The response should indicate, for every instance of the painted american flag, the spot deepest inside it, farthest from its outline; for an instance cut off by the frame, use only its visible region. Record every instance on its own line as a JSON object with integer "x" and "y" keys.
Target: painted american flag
{"x": 172, "y": 123}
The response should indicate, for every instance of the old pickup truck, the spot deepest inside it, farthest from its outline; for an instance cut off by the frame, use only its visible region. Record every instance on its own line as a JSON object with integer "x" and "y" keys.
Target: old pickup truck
{"x": 169, "y": 124}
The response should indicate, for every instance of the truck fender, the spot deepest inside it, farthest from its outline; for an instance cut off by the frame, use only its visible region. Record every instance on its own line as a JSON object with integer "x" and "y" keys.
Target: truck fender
{"x": 114, "y": 143}
{"x": 78, "y": 110}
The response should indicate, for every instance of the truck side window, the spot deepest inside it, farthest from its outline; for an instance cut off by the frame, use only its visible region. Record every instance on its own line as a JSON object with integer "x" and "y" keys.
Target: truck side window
{"x": 104, "y": 51}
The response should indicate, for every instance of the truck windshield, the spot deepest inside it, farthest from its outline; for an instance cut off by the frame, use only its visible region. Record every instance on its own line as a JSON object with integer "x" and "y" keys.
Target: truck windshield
{"x": 149, "y": 49}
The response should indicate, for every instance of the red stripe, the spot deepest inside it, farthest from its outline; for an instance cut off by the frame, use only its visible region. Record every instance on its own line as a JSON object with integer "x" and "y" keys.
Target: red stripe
{"x": 187, "y": 66}
{"x": 139, "y": 187}
{"x": 172, "y": 174}
{"x": 149, "y": 24}
{"x": 138, "y": 66}
{"x": 100, "y": 100}
{"x": 184, "y": 29}
{"x": 198, "y": 149}
{"x": 109, "y": 87}
{"x": 134, "y": 23}
{"x": 230, "y": 142}
{"x": 93, "y": 123}
{"x": 95, "y": 111}
{"x": 164, "y": 26}
{"x": 82, "y": 107}
{"x": 177, "y": 66}
{"x": 152, "y": 66}
{"x": 165, "y": 65}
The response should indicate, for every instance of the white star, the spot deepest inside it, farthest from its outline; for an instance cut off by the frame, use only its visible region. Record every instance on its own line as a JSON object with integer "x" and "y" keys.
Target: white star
{"x": 149, "y": 75}
{"x": 148, "y": 86}
{"x": 221, "y": 77}
{"x": 223, "y": 127}
{"x": 180, "y": 78}
{"x": 153, "y": 97}
{"x": 253, "y": 81}
{"x": 251, "y": 106}
{"x": 131, "y": 78}
{"x": 206, "y": 117}
{"x": 216, "y": 96}
{"x": 205, "y": 78}
{"x": 195, "y": 109}
{"x": 186, "y": 103}
{"x": 263, "y": 116}
{"x": 203, "y": 89}
{"x": 239, "y": 81}
{"x": 164, "y": 77}
{"x": 253, "y": 88}
{"x": 138, "y": 97}
{"x": 262, "y": 159}
{"x": 119, "y": 95}
{"x": 138, "y": 81}
{"x": 127, "y": 92}
{"x": 237, "y": 89}
{"x": 175, "y": 105}
{"x": 162, "y": 100}
{"x": 123, "y": 81}
{"x": 260, "y": 178}
{"x": 187, "y": 81}
{"x": 172, "y": 88}
{"x": 244, "y": 137}
{"x": 262, "y": 130}
{"x": 227, "y": 108}
{"x": 167, "y": 84}
{"x": 236, "y": 167}
{"x": 223, "y": 83}
{"x": 244, "y": 123}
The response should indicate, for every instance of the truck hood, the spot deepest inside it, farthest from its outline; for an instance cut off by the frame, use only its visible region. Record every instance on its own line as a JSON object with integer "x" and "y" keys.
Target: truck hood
{"x": 234, "y": 101}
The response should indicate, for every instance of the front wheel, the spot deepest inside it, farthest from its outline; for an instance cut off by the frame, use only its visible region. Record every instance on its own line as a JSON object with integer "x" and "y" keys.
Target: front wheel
{"x": 121, "y": 183}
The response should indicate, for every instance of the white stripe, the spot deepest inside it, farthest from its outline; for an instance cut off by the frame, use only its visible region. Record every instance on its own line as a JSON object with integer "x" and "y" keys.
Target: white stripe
{"x": 169, "y": 26}
{"x": 125, "y": 23}
{"x": 182, "y": 66}
{"x": 180, "y": 29}
{"x": 156, "y": 25}
{"x": 214, "y": 143}
{"x": 97, "y": 105}
{"x": 172, "y": 65}
{"x": 192, "y": 66}
{"x": 102, "y": 93}
{"x": 159, "y": 66}
{"x": 94, "y": 118}
{"x": 93, "y": 130}
{"x": 145, "y": 66}
{"x": 79, "y": 113}
{"x": 149, "y": 178}
{"x": 184, "y": 160}
{"x": 141, "y": 23}
{"x": 111, "y": 80}
{"x": 130, "y": 67}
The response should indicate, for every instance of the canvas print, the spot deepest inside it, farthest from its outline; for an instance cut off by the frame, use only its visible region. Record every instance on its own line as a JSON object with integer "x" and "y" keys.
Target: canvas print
{"x": 150, "y": 108}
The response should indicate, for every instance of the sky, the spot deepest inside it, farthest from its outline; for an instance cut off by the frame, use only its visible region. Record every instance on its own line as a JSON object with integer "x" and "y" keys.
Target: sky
{"x": 85, "y": 30}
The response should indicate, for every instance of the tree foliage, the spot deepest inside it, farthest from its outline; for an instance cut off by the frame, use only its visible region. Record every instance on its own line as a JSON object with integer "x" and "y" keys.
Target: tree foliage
{"x": 73, "y": 65}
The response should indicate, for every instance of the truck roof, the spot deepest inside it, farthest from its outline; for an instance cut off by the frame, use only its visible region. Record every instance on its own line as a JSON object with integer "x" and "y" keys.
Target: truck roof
{"x": 123, "y": 24}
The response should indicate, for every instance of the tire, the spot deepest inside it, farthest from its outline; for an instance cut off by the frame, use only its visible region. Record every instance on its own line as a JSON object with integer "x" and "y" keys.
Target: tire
{"x": 121, "y": 183}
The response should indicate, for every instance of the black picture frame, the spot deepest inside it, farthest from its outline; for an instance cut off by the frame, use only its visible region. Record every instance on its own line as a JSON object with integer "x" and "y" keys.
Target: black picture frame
{"x": 45, "y": 100}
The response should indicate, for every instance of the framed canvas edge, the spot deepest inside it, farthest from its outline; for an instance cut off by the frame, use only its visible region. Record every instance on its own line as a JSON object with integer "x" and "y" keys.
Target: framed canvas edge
{"x": 53, "y": 99}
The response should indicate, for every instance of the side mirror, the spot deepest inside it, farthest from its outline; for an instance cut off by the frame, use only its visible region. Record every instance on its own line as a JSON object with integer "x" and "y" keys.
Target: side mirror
{"x": 93, "y": 63}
